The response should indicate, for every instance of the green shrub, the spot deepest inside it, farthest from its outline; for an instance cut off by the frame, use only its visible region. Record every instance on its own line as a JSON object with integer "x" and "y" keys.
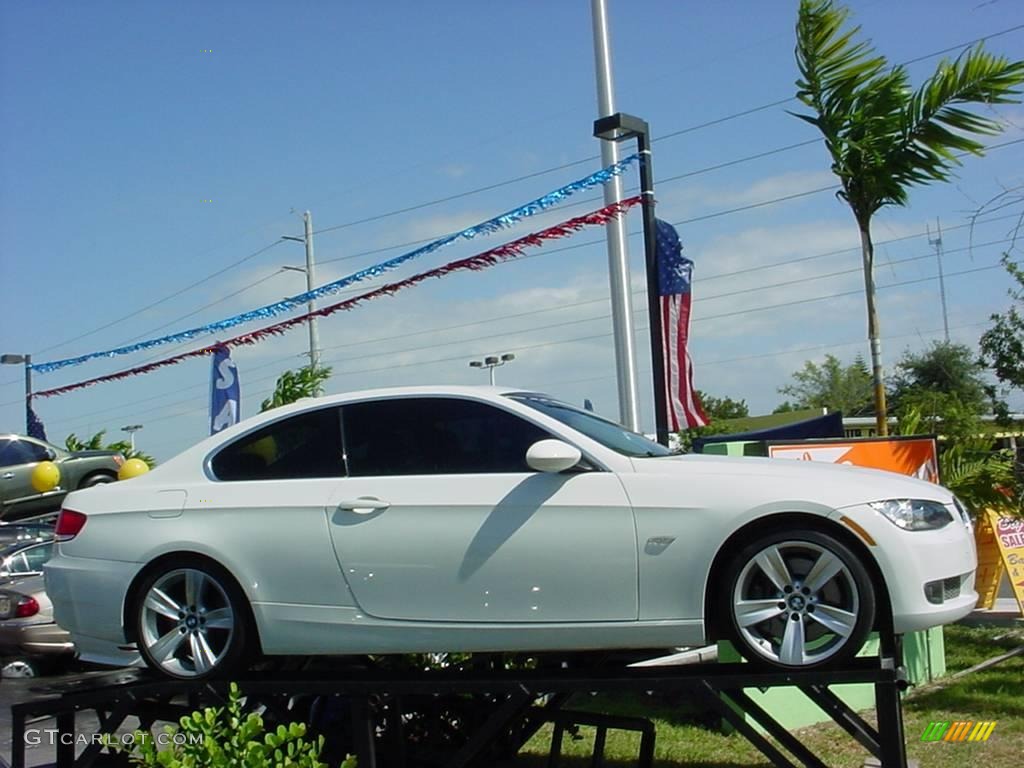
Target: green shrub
{"x": 218, "y": 737}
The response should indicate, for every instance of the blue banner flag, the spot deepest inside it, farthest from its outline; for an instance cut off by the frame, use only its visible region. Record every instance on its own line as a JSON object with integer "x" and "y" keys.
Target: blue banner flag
{"x": 225, "y": 393}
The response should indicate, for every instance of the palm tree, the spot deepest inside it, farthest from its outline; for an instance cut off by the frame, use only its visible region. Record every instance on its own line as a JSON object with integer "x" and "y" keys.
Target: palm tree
{"x": 883, "y": 136}
{"x": 297, "y": 384}
{"x": 98, "y": 443}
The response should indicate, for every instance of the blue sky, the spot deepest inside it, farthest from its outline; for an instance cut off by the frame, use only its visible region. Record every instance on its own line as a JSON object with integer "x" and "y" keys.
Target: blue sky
{"x": 118, "y": 124}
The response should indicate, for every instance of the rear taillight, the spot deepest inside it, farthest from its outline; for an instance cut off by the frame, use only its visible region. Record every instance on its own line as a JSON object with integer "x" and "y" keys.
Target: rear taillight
{"x": 27, "y": 606}
{"x": 69, "y": 524}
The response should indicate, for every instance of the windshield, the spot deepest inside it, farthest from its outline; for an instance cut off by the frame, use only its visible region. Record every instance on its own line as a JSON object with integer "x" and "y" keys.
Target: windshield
{"x": 604, "y": 431}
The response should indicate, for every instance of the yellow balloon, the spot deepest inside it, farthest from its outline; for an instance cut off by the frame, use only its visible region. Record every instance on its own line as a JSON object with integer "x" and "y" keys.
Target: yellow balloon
{"x": 46, "y": 476}
{"x": 132, "y": 468}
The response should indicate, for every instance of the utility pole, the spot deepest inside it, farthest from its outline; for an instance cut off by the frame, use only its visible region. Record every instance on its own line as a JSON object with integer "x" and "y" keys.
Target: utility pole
{"x": 618, "y": 253}
{"x": 310, "y": 270}
{"x": 937, "y": 242}
{"x": 314, "y": 339}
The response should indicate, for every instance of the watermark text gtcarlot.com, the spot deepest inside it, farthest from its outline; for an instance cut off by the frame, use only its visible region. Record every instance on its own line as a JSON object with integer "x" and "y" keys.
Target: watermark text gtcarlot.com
{"x": 35, "y": 737}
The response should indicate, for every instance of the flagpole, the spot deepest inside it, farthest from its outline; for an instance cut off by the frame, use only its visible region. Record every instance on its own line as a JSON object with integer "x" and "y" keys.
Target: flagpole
{"x": 618, "y": 253}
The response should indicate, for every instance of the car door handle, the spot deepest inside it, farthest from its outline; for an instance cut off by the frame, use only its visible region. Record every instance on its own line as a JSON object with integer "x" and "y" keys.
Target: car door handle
{"x": 7, "y": 476}
{"x": 364, "y": 505}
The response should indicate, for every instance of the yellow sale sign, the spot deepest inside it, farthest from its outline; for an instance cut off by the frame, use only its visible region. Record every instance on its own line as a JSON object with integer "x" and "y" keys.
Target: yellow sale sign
{"x": 1009, "y": 537}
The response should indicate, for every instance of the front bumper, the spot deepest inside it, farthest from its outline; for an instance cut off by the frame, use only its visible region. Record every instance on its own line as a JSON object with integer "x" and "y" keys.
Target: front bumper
{"x": 910, "y": 560}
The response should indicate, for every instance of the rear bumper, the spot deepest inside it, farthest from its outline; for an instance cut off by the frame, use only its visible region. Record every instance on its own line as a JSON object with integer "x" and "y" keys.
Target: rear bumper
{"x": 89, "y": 595}
{"x": 19, "y": 639}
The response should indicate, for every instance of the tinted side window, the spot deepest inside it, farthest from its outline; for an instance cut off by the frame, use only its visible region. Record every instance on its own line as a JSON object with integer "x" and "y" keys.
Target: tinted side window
{"x": 306, "y": 445}
{"x": 16, "y": 564}
{"x": 37, "y": 557}
{"x": 16, "y": 452}
{"x": 432, "y": 436}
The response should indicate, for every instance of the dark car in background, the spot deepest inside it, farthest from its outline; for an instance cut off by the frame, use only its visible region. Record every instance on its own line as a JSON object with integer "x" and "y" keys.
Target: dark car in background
{"x": 19, "y": 456}
{"x": 23, "y": 558}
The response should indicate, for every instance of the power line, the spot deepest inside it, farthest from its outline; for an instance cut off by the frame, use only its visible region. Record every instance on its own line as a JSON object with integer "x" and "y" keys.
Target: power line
{"x": 561, "y": 306}
{"x": 592, "y": 337}
{"x": 166, "y": 298}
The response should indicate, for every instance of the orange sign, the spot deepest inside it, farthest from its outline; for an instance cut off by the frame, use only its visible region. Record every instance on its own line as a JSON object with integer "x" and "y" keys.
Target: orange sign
{"x": 914, "y": 456}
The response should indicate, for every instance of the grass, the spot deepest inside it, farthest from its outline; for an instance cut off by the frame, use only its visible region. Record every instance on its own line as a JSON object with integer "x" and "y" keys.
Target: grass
{"x": 687, "y": 736}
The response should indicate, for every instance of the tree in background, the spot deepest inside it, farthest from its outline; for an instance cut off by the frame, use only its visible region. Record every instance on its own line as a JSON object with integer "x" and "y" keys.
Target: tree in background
{"x": 882, "y": 136}
{"x": 295, "y": 385}
{"x": 943, "y": 386}
{"x": 970, "y": 465}
{"x": 720, "y": 408}
{"x": 95, "y": 443}
{"x": 830, "y": 385}
{"x": 1002, "y": 345}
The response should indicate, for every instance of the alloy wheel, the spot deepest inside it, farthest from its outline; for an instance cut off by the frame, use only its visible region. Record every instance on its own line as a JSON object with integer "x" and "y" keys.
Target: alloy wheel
{"x": 796, "y": 603}
{"x": 187, "y": 623}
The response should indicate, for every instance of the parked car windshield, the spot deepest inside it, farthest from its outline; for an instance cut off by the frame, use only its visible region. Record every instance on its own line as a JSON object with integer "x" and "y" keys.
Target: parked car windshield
{"x": 604, "y": 431}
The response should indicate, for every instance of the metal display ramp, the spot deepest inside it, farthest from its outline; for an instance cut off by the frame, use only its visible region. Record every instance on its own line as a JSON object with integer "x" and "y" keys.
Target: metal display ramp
{"x": 470, "y": 717}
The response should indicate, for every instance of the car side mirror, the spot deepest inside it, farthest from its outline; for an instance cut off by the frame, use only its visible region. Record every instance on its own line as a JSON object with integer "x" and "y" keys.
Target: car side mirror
{"x": 50, "y": 454}
{"x": 552, "y": 456}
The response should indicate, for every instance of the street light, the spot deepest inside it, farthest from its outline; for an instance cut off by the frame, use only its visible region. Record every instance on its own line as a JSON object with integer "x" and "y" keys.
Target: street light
{"x": 27, "y": 360}
{"x": 491, "y": 362}
{"x": 131, "y": 429}
{"x": 619, "y": 127}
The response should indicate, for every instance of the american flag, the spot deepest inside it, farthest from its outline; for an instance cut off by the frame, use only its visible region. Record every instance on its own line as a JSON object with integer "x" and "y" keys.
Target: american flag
{"x": 35, "y": 425}
{"x": 675, "y": 275}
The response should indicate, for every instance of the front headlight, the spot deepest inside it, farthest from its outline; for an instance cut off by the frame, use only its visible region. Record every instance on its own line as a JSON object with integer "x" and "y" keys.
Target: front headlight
{"x": 914, "y": 514}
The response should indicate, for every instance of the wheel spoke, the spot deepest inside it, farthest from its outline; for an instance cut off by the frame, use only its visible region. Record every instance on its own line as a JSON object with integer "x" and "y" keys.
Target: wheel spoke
{"x": 824, "y": 570}
{"x": 750, "y": 612}
{"x": 202, "y": 655}
{"x": 194, "y": 581}
{"x": 164, "y": 648}
{"x": 774, "y": 567}
{"x": 792, "y": 650}
{"x": 221, "y": 618}
{"x": 160, "y": 602}
{"x": 835, "y": 619}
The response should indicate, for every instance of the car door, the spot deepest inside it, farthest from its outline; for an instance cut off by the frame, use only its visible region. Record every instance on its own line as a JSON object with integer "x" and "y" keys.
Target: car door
{"x": 17, "y": 460}
{"x": 441, "y": 519}
{"x": 271, "y": 486}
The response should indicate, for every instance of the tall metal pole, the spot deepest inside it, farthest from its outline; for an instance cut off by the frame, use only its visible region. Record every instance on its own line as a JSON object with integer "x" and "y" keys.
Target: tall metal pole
{"x": 314, "y": 339}
{"x": 28, "y": 393}
{"x": 643, "y": 140}
{"x": 618, "y": 253}
{"x": 937, "y": 242}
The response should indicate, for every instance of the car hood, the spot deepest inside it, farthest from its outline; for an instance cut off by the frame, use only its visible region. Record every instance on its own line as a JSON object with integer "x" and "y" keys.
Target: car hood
{"x": 836, "y": 485}
{"x": 97, "y": 454}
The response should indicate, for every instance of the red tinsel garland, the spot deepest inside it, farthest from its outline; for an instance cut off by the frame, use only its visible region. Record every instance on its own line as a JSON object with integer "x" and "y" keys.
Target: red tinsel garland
{"x": 502, "y": 253}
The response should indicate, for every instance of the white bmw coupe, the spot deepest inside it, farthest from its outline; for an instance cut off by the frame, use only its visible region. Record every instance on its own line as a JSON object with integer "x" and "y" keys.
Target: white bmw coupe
{"x": 486, "y": 519}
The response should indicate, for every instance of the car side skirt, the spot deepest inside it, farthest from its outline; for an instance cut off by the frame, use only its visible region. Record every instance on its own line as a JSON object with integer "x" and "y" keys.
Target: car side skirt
{"x": 304, "y": 629}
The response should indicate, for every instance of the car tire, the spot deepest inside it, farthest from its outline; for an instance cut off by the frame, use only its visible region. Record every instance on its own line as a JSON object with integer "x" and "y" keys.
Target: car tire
{"x": 797, "y": 599}
{"x": 19, "y": 669}
{"x": 100, "y": 479}
{"x": 191, "y": 620}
